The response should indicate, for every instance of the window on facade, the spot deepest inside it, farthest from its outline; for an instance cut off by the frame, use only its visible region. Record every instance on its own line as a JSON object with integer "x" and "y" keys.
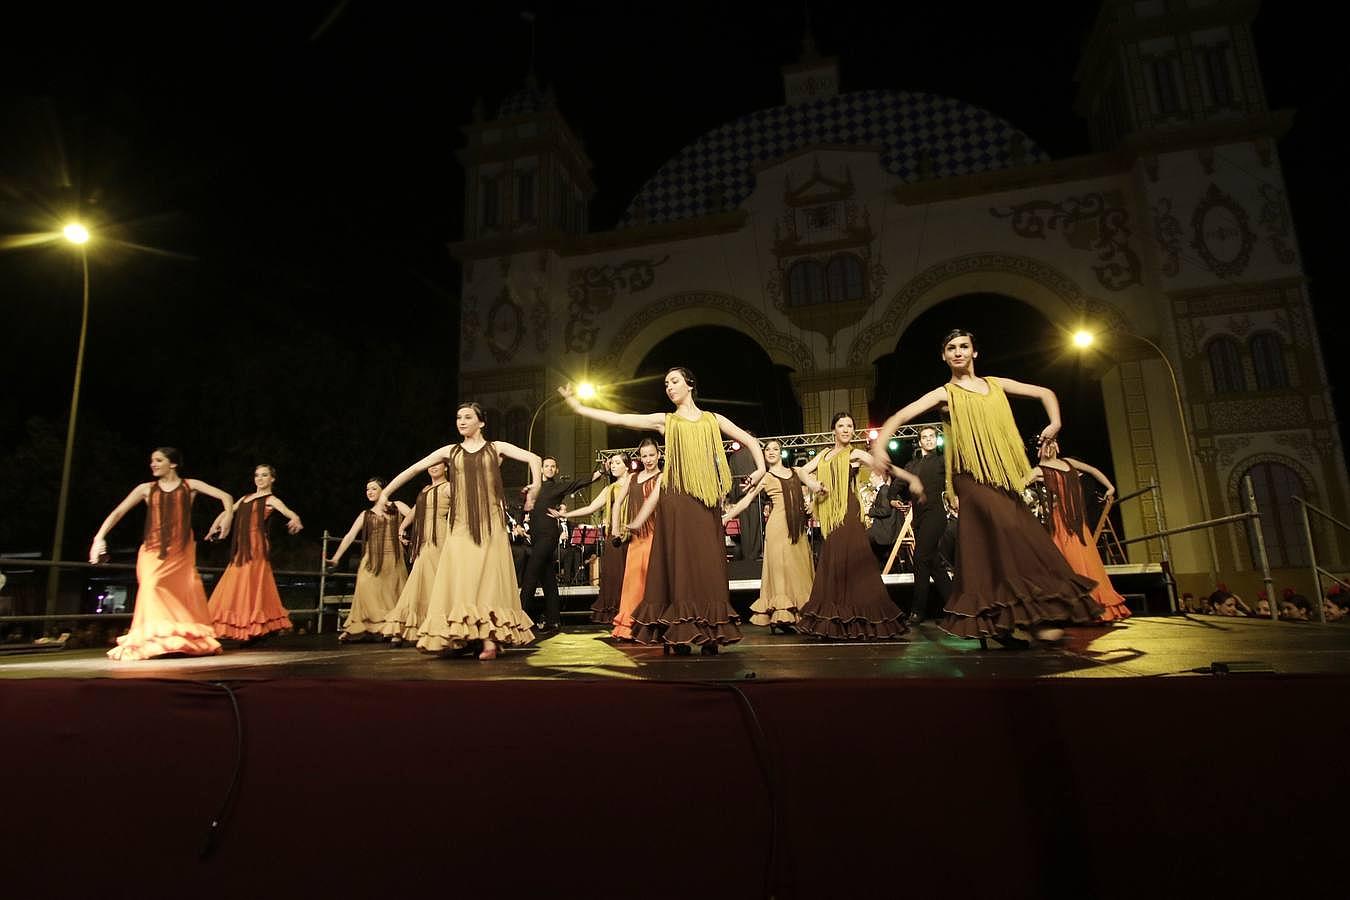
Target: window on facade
{"x": 492, "y": 211}
{"x": 525, "y": 197}
{"x": 806, "y": 283}
{"x": 1268, "y": 361}
{"x": 819, "y": 218}
{"x": 1225, "y": 365}
{"x": 1164, "y": 80}
{"x": 845, "y": 278}
{"x": 1214, "y": 64}
{"x": 1275, "y": 485}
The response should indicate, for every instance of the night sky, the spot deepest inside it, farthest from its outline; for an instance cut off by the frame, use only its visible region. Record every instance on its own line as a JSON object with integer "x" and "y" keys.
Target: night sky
{"x": 275, "y": 186}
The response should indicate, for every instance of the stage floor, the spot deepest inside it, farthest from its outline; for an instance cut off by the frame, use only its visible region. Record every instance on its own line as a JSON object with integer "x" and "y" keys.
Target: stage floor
{"x": 1139, "y": 647}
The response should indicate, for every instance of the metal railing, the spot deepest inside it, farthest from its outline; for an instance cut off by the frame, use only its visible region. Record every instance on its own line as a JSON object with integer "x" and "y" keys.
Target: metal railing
{"x": 319, "y": 611}
{"x": 1252, "y": 515}
{"x": 1317, "y": 571}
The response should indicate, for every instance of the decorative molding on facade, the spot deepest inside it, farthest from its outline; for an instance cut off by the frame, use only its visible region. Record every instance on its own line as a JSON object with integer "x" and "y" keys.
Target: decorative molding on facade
{"x": 1269, "y": 412}
{"x": 505, "y": 330}
{"x": 1221, "y": 233}
{"x": 1274, "y": 219}
{"x": 1167, "y": 232}
{"x": 592, "y": 290}
{"x": 901, "y": 306}
{"x": 1098, "y": 221}
{"x": 755, "y": 321}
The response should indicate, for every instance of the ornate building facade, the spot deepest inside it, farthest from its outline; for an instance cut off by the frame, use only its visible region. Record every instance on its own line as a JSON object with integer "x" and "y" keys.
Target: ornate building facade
{"x": 822, "y": 227}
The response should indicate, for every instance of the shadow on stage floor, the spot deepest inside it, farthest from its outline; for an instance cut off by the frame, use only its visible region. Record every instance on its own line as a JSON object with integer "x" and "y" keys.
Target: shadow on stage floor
{"x": 780, "y": 768}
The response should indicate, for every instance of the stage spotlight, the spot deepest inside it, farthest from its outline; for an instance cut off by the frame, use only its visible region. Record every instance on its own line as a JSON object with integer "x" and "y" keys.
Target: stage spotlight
{"x": 783, "y": 454}
{"x": 76, "y": 233}
{"x": 1082, "y": 339}
{"x": 941, "y": 440}
{"x": 872, "y": 434}
{"x": 586, "y": 391}
{"x": 893, "y": 445}
{"x": 810, "y": 453}
{"x": 735, "y": 445}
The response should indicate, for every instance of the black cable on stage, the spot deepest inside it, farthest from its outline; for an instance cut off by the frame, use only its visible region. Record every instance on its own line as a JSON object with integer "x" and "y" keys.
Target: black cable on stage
{"x": 213, "y": 830}
{"x": 760, "y": 741}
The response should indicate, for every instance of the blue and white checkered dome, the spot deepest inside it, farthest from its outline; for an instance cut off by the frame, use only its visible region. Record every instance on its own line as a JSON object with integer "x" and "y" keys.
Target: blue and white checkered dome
{"x": 959, "y": 138}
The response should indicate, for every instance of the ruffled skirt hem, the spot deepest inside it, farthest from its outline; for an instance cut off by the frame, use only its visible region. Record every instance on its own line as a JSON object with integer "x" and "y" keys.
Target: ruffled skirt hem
{"x": 246, "y": 631}
{"x": 511, "y": 628}
{"x": 186, "y": 638}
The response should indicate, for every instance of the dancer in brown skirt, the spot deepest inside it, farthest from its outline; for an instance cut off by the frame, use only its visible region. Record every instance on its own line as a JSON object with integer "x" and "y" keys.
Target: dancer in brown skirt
{"x": 1009, "y": 573}
{"x": 848, "y": 599}
{"x": 608, "y": 502}
{"x": 686, "y": 601}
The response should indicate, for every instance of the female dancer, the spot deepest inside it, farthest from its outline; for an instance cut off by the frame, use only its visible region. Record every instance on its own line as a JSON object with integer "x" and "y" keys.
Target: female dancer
{"x": 642, "y": 486}
{"x": 475, "y": 596}
{"x": 170, "y": 607}
{"x": 848, "y": 599}
{"x": 382, "y": 573}
{"x": 1068, "y": 525}
{"x": 245, "y": 604}
{"x": 613, "y": 563}
{"x": 785, "y": 582}
{"x": 1008, "y": 572}
{"x": 428, "y": 526}
{"x": 686, "y": 601}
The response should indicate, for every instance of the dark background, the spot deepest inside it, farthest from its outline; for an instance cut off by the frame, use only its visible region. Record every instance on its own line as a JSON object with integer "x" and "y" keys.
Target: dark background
{"x": 274, "y": 186}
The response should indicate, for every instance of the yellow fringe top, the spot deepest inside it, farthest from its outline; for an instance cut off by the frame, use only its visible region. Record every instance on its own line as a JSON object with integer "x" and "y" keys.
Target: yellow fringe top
{"x": 983, "y": 441}
{"x": 696, "y": 464}
{"x": 836, "y": 475}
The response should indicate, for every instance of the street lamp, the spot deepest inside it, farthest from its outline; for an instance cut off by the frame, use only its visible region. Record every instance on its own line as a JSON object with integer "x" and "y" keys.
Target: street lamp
{"x": 78, "y": 235}
{"x": 585, "y": 391}
{"x": 1083, "y": 339}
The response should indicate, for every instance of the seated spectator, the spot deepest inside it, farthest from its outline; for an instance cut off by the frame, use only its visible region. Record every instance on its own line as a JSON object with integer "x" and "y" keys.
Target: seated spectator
{"x": 1225, "y": 603}
{"x": 1294, "y": 607}
{"x": 1336, "y": 606}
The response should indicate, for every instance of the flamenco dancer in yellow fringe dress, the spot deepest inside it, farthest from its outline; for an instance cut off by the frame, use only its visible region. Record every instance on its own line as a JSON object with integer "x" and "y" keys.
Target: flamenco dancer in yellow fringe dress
{"x": 171, "y": 615}
{"x": 428, "y": 518}
{"x": 848, "y": 600}
{"x": 382, "y": 573}
{"x": 1009, "y": 573}
{"x": 475, "y": 597}
{"x": 788, "y": 573}
{"x": 686, "y": 601}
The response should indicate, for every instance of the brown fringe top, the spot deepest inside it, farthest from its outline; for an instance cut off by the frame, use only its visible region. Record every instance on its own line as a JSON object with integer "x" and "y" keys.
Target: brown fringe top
{"x": 631, "y": 508}
{"x": 483, "y": 491}
{"x": 792, "y": 505}
{"x": 168, "y": 522}
{"x": 380, "y": 536}
{"x": 250, "y": 520}
{"x": 428, "y": 530}
{"x": 1067, "y": 496}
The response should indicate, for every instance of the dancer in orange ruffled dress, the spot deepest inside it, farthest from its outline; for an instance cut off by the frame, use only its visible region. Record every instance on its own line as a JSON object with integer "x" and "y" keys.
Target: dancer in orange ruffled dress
{"x": 1068, "y": 523}
{"x": 170, "y": 608}
{"x": 245, "y": 605}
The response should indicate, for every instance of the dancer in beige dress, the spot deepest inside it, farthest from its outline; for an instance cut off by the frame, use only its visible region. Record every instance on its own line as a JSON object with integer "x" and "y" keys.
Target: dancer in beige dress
{"x": 382, "y": 573}
{"x": 475, "y": 596}
{"x": 428, "y": 519}
{"x": 785, "y": 583}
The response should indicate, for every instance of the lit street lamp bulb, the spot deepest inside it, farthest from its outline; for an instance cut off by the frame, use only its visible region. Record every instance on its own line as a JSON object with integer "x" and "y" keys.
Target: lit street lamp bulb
{"x": 586, "y": 391}
{"x": 76, "y": 233}
{"x": 1082, "y": 339}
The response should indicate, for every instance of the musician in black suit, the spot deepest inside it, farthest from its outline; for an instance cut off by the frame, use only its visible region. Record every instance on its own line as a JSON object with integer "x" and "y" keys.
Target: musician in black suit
{"x": 541, "y": 566}
{"x": 930, "y": 526}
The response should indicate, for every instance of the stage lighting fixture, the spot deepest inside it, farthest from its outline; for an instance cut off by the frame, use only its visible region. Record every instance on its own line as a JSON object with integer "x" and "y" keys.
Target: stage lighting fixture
{"x": 893, "y": 445}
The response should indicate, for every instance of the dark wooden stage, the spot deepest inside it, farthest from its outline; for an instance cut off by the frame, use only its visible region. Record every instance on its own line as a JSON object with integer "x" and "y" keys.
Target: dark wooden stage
{"x": 781, "y": 768}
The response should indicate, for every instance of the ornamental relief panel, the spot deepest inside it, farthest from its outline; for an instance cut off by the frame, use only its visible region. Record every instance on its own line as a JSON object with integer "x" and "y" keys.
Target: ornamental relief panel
{"x": 1274, "y": 220}
{"x": 1167, "y": 232}
{"x": 1098, "y": 222}
{"x": 1220, "y": 233}
{"x": 505, "y": 329}
{"x": 1246, "y": 414}
{"x": 592, "y": 290}
{"x": 1228, "y": 447}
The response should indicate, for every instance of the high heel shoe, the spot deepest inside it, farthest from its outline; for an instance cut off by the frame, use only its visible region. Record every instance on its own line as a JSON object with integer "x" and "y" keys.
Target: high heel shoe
{"x": 489, "y": 652}
{"x": 708, "y": 649}
{"x": 681, "y": 649}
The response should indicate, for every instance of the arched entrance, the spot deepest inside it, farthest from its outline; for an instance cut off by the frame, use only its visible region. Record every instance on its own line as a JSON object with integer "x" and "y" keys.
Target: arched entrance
{"x": 736, "y": 377}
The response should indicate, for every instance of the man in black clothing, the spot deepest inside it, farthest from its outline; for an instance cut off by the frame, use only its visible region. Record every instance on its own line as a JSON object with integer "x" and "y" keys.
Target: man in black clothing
{"x": 541, "y": 566}
{"x": 930, "y": 524}
{"x": 885, "y": 522}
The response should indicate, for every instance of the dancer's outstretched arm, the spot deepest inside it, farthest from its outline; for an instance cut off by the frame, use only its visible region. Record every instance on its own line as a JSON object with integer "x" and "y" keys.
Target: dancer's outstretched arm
{"x": 348, "y": 538}
{"x": 98, "y": 548}
{"x": 435, "y": 456}
{"x": 511, "y": 451}
{"x": 881, "y": 460}
{"x": 586, "y": 510}
{"x": 636, "y": 421}
{"x": 221, "y": 527}
{"x": 293, "y": 523}
{"x": 1048, "y": 400}
{"x": 1094, "y": 472}
{"x": 748, "y": 441}
{"x": 742, "y": 503}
